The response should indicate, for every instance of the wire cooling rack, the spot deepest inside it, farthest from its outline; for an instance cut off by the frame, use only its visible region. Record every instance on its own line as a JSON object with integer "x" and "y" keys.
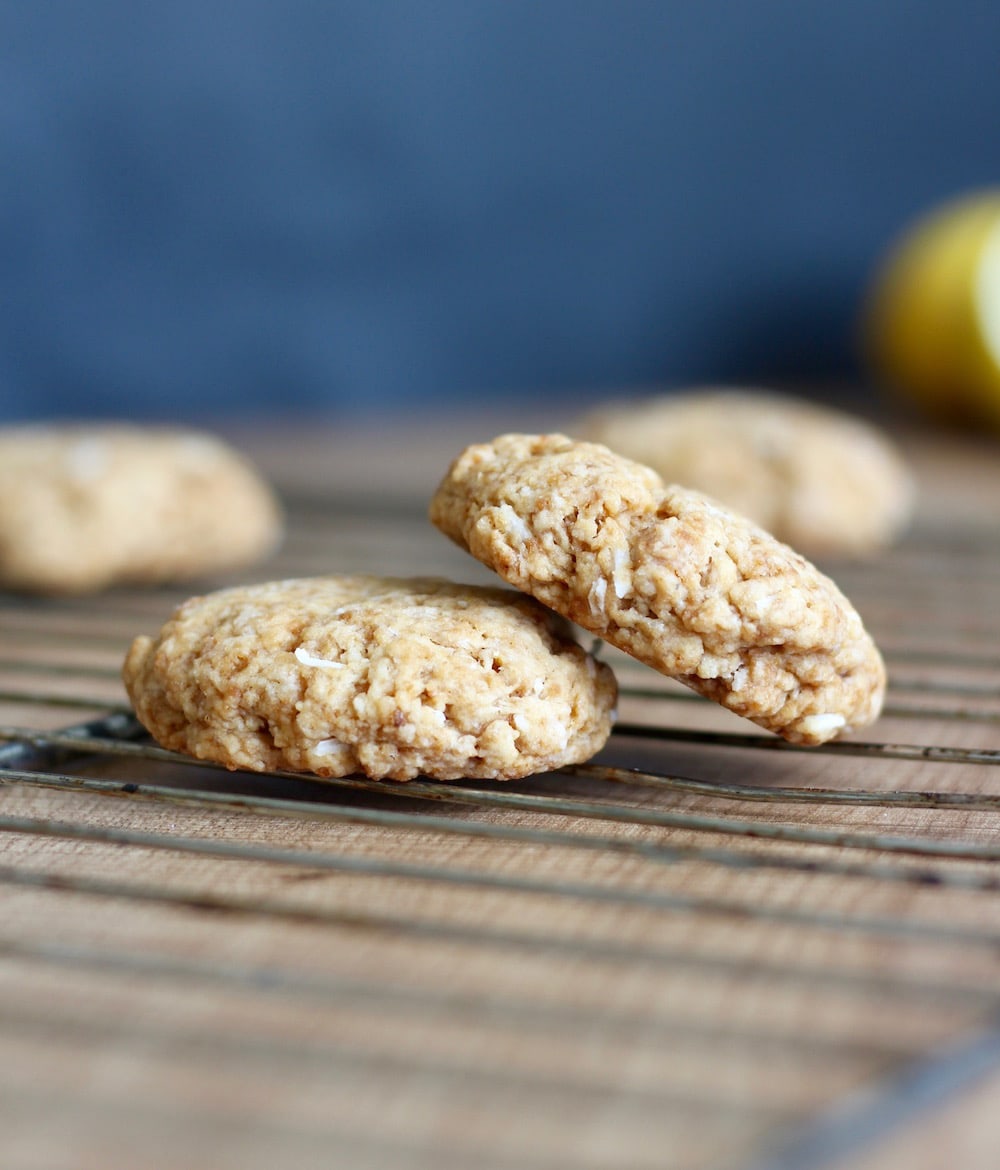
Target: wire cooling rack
{"x": 706, "y": 948}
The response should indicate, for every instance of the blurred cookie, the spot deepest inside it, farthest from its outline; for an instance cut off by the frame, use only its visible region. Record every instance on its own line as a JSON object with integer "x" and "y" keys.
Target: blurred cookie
{"x": 694, "y": 590}
{"x": 393, "y": 678}
{"x": 822, "y": 480}
{"x": 86, "y": 507}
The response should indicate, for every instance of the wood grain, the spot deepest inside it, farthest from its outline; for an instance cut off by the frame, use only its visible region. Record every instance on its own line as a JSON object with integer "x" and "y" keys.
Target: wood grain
{"x": 694, "y": 953}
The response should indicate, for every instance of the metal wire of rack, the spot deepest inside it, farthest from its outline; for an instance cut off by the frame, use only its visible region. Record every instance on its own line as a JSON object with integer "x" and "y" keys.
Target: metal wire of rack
{"x": 707, "y": 948}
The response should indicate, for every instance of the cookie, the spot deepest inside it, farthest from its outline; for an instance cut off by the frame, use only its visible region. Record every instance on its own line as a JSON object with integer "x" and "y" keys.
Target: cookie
{"x": 694, "y": 590}
{"x": 393, "y": 678}
{"x": 86, "y": 507}
{"x": 824, "y": 481}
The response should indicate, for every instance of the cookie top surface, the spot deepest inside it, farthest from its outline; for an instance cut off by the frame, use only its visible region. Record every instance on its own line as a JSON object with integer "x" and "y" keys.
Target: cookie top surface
{"x": 822, "y": 480}
{"x": 85, "y": 507}
{"x": 694, "y": 590}
{"x": 393, "y": 678}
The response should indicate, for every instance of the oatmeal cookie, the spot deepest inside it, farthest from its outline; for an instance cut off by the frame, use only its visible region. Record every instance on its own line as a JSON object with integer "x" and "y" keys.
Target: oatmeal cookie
{"x": 822, "y": 480}
{"x": 393, "y": 678}
{"x": 86, "y": 507}
{"x": 694, "y": 590}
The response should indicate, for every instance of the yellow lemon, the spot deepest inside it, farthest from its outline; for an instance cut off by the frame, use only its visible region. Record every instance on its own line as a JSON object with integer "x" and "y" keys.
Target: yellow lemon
{"x": 932, "y": 321}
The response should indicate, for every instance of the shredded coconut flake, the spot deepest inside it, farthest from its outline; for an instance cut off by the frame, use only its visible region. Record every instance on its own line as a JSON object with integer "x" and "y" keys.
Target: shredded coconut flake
{"x": 596, "y": 596}
{"x": 620, "y": 576}
{"x": 515, "y": 524}
{"x": 821, "y": 724}
{"x": 558, "y": 732}
{"x": 327, "y": 747}
{"x": 762, "y": 604}
{"x": 308, "y": 659}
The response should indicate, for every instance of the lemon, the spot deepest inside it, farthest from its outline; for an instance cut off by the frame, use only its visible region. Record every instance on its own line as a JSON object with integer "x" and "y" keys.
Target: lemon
{"x": 932, "y": 320}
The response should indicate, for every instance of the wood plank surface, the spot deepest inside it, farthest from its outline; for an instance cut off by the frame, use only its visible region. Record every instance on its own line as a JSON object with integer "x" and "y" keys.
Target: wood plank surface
{"x": 706, "y": 949}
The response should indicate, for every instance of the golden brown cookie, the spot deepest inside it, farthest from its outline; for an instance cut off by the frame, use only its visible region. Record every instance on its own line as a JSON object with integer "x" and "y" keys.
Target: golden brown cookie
{"x": 694, "y": 590}
{"x": 822, "y": 480}
{"x": 86, "y": 507}
{"x": 393, "y": 678}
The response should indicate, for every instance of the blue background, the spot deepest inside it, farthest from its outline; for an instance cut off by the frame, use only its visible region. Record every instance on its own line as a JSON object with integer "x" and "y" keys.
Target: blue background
{"x": 210, "y": 208}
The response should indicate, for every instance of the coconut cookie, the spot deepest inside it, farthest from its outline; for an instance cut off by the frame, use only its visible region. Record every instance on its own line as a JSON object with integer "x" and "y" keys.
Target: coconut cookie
{"x": 86, "y": 507}
{"x": 817, "y": 478}
{"x": 694, "y": 590}
{"x": 393, "y": 678}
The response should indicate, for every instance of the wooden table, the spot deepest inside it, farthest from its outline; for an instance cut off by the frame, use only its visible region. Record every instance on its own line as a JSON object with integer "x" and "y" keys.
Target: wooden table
{"x": 707, "y": 949}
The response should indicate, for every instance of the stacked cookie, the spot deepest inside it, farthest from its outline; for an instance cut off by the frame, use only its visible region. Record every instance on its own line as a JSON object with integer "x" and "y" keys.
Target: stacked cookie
{"x": 698, "y": 592}
{"x": 397, "y": 678}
